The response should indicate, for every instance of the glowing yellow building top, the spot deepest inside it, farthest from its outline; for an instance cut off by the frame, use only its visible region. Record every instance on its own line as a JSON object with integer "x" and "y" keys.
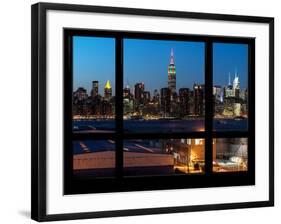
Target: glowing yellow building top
{"x": 107, "y": 85}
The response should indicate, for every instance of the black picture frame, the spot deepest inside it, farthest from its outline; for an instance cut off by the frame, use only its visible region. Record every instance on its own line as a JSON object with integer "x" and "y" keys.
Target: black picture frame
{"x": 39, "y": 124}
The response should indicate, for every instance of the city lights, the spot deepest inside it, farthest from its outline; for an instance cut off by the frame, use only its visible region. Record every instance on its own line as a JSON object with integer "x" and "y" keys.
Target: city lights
{"x": 173, "y": 103}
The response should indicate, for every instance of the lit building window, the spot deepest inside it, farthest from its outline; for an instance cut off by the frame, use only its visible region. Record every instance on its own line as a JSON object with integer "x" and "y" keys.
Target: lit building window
{"x": 198, "y": 141}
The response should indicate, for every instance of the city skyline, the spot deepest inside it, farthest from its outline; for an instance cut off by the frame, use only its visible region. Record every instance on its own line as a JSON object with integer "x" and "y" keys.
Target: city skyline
{"x": 230, "y": 59}
{"x": 94, "y": 59}
{"x": 163, "y": 92}
{"x": 150, "y": 64}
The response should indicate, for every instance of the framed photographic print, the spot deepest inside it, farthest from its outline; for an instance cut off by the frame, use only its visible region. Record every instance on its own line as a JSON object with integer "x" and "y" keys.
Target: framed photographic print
{"x": 165, "y": 111}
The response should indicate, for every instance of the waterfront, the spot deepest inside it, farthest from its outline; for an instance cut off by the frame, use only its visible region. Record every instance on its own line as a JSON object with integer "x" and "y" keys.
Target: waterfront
{"x": 159, "y": 126}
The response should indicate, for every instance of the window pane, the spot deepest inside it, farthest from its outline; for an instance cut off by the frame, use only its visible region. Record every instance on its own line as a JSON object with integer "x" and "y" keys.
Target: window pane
{"x": 230, "y": 154}
{"x": 230, "y": 86}
{"x": 94, "y": 158}
{"x": 164, "y": 87}
{"x": 163, "y": 156}
{"x": 93, "y": 84}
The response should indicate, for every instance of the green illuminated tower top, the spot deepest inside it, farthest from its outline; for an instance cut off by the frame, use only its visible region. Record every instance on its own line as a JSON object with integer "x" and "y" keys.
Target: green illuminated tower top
{"x": 172, "y": 73}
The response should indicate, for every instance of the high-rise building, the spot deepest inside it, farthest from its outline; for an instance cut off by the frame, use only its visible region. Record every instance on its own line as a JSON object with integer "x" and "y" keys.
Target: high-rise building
{"x": 80, "y": 97}
{"x": 146, "y": 96}
{"x": 80, "y": 94}
{"x": 228, "y": 90}
{"x": 243, "y": 94}
{"x": 95, "y": 89}
{"x": 172, "y": 73}
{"x": 236, "y": 86}
{"x": 198, "y": 97}
{"x": 126, "y": 91}
{"x": 156, "y": 96}
{"x": 216, "y": 90}
{"x": 107, "y": 91}
{"x": 165, "y": 101}
{"x": 128, "y": 101}
{"x": 184, "y": 101}
{"x": 236, "y": 83}
{"x": 139, "y": 89}
{"x": 218, "y": 93}
{"x": 234, "y": 89}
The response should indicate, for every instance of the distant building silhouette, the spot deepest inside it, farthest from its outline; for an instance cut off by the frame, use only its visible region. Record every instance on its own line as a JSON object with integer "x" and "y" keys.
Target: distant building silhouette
{"x": 95, "y": 89}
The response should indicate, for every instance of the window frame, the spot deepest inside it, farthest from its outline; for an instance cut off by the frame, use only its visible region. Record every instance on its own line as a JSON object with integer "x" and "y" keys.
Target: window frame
{"x": 120, "y": 182}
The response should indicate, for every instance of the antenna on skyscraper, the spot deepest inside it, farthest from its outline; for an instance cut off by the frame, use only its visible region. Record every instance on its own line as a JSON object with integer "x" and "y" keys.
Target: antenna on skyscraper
{"x": 172, "y": 56}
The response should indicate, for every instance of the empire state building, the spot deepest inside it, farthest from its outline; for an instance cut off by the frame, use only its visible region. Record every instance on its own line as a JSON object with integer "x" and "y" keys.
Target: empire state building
{"x": 172, "y": 74}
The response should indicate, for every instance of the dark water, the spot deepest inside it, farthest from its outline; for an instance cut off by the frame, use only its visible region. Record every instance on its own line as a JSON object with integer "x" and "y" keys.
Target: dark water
{"x": 161, "y": 126}
{"x": 91, "y": 125}
{"x": 230, "y": 125}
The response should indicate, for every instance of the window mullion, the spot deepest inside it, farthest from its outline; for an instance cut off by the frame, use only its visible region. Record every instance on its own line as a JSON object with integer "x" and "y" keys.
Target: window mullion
{"x": 119, "y": 105}
{"x": 208, "y": 105}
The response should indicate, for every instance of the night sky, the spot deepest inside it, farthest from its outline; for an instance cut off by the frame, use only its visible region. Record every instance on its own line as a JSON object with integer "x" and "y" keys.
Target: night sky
{"x": 147, "y": 61}
{"x": 93, "y": 59}
{"x": 230, "y": 58}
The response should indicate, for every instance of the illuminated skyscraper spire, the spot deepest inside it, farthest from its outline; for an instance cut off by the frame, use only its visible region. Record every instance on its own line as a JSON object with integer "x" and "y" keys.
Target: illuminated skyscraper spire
{"x": 172, "y": 73}
{"x": 236, "y": 83}
{"x": 107, "y": 85}
{"x": 172, "y": 57}
{"x": 107, "y": 91}
{"x": 229, "y": 79}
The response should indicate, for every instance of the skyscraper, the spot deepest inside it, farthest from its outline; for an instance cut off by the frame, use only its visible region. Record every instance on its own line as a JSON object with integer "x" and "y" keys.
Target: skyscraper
{"x": 217, "y": 92}
{"x": 146, "y": 96}
{"x": 107, "y": 91}
{"x": 198, "y": 91}
{"x": 184, "y": 101}
{"x": 234, "y": 89}
{"x": 139, "y": 89}
{"x": 126, "y": 91}
{"x": 80, "y": 94}
{"x": 79, "y": 100}
{"x": 95, "y": 89}
{"x": 236, "y": 85}
{"x": 165, "y": 101}
{"x": 172, "y": 73}
{"x": 228, "y": 90}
